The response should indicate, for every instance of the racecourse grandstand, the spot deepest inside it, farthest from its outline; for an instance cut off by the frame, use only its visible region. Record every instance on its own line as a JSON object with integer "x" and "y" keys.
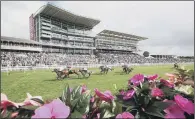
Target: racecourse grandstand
{"x": 115, "y": 47}
{"x": 112, "y": 41}
{"x": 61, "y": 31}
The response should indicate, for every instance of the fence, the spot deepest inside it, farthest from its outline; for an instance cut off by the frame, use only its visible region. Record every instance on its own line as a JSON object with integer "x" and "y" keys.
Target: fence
{"x": 22, "y": 68}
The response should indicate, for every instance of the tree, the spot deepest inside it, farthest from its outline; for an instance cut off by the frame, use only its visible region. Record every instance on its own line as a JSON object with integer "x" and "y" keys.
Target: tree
{"x": 146, "y": 54}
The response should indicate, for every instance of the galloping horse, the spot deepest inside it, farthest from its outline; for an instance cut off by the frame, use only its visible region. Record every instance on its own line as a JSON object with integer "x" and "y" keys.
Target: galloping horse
{"x": 105, "y": 69}
{"x": 85, "y": 72}
{"x": 65, "y": 73}
{"x": 59, "y": 73}
{"x": 126, "y": 69}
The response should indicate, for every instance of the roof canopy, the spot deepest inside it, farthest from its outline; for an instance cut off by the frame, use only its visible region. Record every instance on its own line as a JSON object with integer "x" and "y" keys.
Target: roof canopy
{"x": 120, "y": 35}
{"x": 65, "y": 15}
{"x": 18, "y": 40}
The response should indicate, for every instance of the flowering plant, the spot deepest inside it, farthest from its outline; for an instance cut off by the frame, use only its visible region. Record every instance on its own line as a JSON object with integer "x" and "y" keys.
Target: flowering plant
{"x": 144, "y": 97}
{"x": 147, "y": 99}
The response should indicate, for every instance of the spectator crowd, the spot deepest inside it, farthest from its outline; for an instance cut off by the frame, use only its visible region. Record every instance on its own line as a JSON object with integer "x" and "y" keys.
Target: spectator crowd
{"x": 12, "y": 59}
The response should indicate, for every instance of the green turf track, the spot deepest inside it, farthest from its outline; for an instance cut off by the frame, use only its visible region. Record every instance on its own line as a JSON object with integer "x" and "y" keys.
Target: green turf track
{"x": 44, "y": 83}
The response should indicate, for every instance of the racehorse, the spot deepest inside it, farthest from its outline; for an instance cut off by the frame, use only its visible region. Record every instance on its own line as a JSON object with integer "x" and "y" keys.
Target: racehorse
{"x": 105, "y": 69}
{"x": 59, "y": 73}
{"x": 126, "y": 69}
{"x": 85, "y": 72}
{"x": 65, "y": 73}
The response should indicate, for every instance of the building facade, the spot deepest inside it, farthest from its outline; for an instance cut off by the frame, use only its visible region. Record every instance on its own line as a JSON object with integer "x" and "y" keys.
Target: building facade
{"x": 116, "y": 42}
{"x": 60, "y": 31}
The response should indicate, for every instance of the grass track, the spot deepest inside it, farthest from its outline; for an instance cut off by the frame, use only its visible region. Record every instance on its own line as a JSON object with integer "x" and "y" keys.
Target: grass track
{"x": 44, "y": 83}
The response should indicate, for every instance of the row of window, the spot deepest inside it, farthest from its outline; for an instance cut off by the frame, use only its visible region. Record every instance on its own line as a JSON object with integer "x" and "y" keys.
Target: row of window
{"x": 60, "y": 42}
{"x": 18, "y": 44}
{"x": 66, "y": 50}
{"x": 111, "y": 39}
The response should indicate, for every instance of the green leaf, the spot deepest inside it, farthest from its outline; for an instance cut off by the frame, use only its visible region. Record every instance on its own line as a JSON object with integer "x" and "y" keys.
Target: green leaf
{"x": 129, "y": 108}
{"x": 155, "y": 112}
{"x": 116, "y": 108}
{"x": 105, "y": 105}
{"x": 137, "y": 116}
{"x": 66, "y": 95}
{"x": 76, "y": 114}
{"x": 83, "y": 103}
{"x": 162, "y": 105}
{"x": 156, "y": 108}
{"x": 73, "y": 103}
{"x": 106, "y": 114}
{"x": 76, "y": 92}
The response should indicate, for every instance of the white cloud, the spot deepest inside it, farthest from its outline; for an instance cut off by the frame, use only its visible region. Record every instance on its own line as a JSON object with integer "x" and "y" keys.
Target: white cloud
{"x": 166, "y": 24}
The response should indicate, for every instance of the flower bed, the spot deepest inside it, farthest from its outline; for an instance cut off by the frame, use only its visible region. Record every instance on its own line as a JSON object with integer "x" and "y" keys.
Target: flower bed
{"x": 144, "y": 97}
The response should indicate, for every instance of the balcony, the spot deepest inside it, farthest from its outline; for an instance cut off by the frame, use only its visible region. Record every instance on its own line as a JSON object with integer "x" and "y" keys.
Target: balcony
{"x": 45, "y": 36}
{"x": 46, "y": 28}
{"x": 46, "y": 24}
{"x": 45, "y": 32}
{"x": 56, "y": 37}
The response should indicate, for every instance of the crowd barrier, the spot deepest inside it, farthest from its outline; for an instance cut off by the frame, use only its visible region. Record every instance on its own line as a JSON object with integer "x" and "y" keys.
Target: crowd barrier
{"x": 23, "y": 68}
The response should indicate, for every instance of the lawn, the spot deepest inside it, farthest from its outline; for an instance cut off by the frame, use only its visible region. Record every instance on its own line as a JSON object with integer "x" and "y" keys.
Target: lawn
{"x": 44, "y": 83}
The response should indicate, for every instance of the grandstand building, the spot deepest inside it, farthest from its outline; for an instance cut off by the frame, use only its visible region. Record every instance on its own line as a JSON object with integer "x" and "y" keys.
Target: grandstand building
{"x": 12, "y": 44}
{"x": 116, "y": 42}
{"x": 61, "y": 31}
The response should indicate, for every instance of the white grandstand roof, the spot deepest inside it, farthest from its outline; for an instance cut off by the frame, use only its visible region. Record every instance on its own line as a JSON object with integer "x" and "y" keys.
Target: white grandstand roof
{"x": 53, "y": 11}
{"x": 120, "y": 35}
{"x": 18, "y": 40}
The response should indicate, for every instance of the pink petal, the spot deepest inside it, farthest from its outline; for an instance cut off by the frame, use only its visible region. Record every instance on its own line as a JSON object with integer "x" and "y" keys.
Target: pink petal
{"x": 119, "y": 116}
{"x": 42, "y": 112}
{"x": 152, "y": 77}
{"x": 185, "y": 104}
{"x": 3, "y": 97}
{"x": 190, "y": 108}
{"x": 60, "y": 110}
{"x": 92, "y": 99}
{"x": 157, "y": 92}
{"x": 84, "y": 88}
{"x": 106, "y": 96}
{"x": 129, "y": 94}
{"x": 174, "y": 111}
{"x": 127, "y": 115}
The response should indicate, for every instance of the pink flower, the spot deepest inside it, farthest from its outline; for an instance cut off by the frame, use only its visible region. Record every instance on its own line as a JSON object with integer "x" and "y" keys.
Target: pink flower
{"x": 5, "y": 102}
{"x": 55, "y": 109}
{"x": 129, "y": 94}
{"x": 84, "y": 116}
{"x": 185, "y": 104}
{"x": 106, "y": 96}
{"x": 156, "y": 92}
{"x": 174, "y": 112}
{"x": 84, "y": 88}
{"x": 137, "y": 79}
{"x": 122, "y": 92}
{"x": 92, "y": 99}
{"x": 152, "y": 77}
{"x": 125, "y": 115}
{"x": 166, "y": 83}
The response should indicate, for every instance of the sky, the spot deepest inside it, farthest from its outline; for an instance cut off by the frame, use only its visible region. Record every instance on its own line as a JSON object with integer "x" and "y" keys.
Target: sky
{"x": 168, "y": 25}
